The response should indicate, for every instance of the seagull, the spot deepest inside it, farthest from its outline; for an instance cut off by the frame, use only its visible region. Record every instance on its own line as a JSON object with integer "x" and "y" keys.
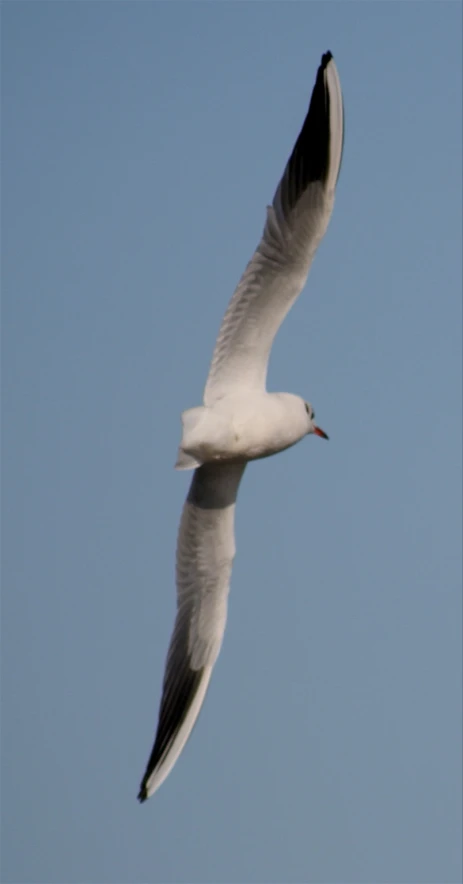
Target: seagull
{"x": 239, "y": 420}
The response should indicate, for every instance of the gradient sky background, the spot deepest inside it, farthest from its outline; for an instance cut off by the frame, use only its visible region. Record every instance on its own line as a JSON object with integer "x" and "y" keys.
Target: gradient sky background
{"x": 141, "y": 143}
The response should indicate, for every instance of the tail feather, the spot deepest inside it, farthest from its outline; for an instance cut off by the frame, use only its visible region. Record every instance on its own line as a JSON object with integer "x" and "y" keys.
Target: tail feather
{"x": 192, "y": 425}
{"x": 186, "y": 461}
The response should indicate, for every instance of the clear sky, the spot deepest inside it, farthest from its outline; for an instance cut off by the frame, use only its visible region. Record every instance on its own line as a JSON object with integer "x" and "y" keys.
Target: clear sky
{"x": 141, "y": 143}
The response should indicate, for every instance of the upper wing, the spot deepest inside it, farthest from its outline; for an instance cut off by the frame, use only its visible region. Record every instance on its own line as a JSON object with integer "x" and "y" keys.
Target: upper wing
{"x": 205, "y": 552}
{"x": 296, "y": 222}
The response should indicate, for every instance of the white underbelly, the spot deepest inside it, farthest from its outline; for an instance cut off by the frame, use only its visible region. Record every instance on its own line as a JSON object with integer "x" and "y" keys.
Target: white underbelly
{"x": 245, "y": 429}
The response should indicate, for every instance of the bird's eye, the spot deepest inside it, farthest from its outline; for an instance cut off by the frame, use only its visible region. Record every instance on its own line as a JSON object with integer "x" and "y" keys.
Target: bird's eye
{"x": 309, "y": 411}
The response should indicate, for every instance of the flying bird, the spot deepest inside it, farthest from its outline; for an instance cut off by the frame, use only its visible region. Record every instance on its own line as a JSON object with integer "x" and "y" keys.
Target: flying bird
{"x": 239, "y": 420}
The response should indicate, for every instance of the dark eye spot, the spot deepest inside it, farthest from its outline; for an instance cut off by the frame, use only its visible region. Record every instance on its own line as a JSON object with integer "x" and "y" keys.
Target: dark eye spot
{"x": 309, "y": 411}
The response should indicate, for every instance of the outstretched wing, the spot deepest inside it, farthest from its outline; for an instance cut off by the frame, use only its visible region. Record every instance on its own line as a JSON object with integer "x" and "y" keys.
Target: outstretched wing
{"x": 296, "y": 222}
{"x": 205, "y": 552}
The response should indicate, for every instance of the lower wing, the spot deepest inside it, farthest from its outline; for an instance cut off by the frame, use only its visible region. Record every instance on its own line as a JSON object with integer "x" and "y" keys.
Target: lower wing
{"x": 205, "y": 552}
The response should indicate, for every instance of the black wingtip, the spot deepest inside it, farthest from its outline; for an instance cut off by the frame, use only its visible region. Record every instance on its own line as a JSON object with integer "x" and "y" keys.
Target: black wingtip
{"x": 326, "y": 58}
{"x": 178, "y": 695}
{"x": 143, "y": 794}
{"x": 310, "y": 159}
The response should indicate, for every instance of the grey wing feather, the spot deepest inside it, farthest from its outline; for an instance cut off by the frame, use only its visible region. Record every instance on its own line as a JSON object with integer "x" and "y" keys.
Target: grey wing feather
{"x": 205, "y": 552}
{"x": 296, "y": 222}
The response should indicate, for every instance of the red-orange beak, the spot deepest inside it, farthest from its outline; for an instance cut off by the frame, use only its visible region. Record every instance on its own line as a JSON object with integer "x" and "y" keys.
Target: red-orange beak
{"x": 320, "y": 432}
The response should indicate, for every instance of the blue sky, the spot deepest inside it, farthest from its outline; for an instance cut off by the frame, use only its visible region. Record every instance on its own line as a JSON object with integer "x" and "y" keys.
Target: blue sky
{"x": 140, "y": 145}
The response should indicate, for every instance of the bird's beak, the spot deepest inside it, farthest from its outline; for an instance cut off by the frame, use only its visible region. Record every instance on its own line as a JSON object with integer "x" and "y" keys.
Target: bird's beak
{"x": 320, "y": 432}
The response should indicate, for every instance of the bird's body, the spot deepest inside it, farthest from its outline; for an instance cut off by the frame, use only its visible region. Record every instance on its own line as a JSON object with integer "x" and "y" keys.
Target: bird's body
{"x": 239, "y": 420}
{"x": 241, "y": 428}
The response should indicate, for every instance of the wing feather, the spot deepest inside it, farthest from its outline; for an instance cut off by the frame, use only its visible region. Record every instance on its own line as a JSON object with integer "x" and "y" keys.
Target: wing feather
{"x": 205, "y": 552}
{"x": 296, "y": 222}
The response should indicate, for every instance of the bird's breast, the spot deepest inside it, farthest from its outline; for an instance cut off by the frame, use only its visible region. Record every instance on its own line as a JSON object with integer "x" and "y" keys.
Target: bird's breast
{"x": 242, "y": 428}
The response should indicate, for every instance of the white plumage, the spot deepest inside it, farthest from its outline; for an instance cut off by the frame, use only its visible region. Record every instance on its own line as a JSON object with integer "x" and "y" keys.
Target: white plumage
{"x": 239, "y": 420}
